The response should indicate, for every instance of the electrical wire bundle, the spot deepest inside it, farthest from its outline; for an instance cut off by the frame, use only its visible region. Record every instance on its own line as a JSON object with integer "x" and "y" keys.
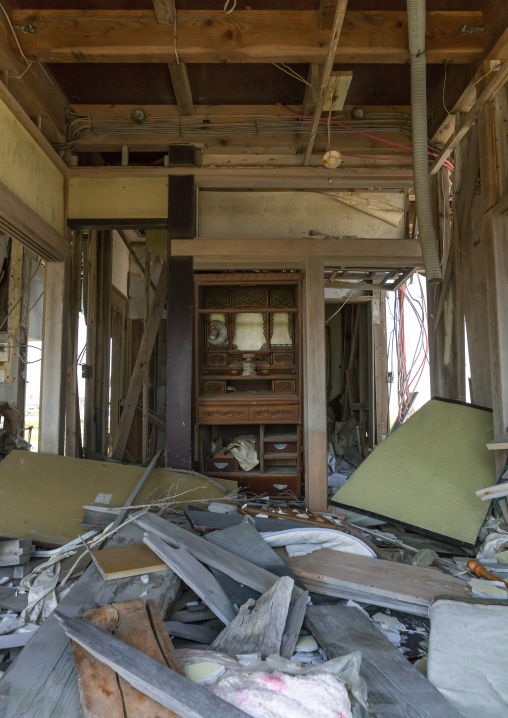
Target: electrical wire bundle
{"x": 409, "y": 369}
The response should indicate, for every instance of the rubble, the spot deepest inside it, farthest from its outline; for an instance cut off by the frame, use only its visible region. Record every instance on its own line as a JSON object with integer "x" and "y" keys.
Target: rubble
{"x": 266, "y": 622}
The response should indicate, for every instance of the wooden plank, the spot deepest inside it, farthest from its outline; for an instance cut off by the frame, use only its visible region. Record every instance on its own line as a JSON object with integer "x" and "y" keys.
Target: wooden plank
{"x": 180, "y": 323}
{"x": 336, "y": 28}
{"x": 497, "y": 81}
{"x": 259, "y": 625}
{"x": 501, "y": 442}
{"x": 314, "y": 352}
{"x": 42, "y": 682}
{"x": 137, "y": 489}
{"x": 294, "y": 621}
{"x": 395, "y": 688}
{"x": 164, "y": 11}
{"x": 243, "y": 36}
{"x": 11, "y": 600}
{"x": 336, "y": 91}
{"x": 191, "y": 632}
{"x": 168, "y": 688}
{"x": 214, "y": 556}
{"x": 381, "y": 369}
{"x": 73, "y": 427}
{"x": 145, "y": 351}
{"x": 196, "y": 576}
{"x": 182, "y": 88}
{"x": 375, "y": 579}
{"x": 102, "y": 691}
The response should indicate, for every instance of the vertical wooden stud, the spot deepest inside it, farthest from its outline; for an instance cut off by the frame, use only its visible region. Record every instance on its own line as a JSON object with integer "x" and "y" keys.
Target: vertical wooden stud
{"x": 315, "y": 437}
{"x": 180, "y": 310}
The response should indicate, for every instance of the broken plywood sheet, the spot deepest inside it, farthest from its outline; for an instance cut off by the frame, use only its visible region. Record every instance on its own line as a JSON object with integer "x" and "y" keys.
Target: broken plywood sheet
{"x": 42, "y": 495}
{"x": 425, "y": 474}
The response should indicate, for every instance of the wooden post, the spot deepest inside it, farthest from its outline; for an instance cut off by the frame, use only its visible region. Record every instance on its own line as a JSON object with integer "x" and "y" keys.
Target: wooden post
{"x": 89, "y": 443}
{"x": 180, "y": 309}
{"x": 54, "y": 357}
{"x": 315, "y": 438}
{"x": 72, "y": 441}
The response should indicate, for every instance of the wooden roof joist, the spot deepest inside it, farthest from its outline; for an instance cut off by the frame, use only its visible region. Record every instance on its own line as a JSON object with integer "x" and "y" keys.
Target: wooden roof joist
{"x": 253, "y": 36}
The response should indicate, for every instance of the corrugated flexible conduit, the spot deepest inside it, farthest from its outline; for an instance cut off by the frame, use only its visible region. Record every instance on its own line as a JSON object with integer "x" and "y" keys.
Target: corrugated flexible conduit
{"x": 416, "y": 15}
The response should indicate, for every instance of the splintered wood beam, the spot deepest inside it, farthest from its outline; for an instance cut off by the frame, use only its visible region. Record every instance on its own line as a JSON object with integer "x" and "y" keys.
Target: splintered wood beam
{"x": 165, "y": 11}
{"x": 181, "y": 87}
{"x": 497, "y": 81}
{"x": 243, "y": 36}
{"x": 338, "y": 21}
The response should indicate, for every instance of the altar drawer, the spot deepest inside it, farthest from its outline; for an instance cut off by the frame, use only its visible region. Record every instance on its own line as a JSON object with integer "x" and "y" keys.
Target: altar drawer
{"x": 223, "y": 414}
{"x": 278, "y": 414}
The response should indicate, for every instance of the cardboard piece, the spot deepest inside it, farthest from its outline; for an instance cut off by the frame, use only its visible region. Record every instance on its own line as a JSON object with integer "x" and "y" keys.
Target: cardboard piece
{"x": 425, "y": 475}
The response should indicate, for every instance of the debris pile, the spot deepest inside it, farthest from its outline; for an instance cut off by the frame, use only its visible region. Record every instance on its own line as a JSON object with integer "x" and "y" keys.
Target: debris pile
{"x": 255, "y": 609}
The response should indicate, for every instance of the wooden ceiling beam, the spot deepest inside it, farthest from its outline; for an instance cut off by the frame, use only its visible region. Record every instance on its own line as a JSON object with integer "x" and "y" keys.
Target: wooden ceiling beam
{"x": 272, "y": 178}
{"x": 33, "y": 87}
{"x": 244, "y": 36}
{"x": 181, "y": 88}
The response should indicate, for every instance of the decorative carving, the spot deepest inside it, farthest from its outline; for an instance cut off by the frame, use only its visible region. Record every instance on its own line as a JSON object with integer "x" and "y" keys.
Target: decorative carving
{"x": 248, "y": 297}
{"x": 282, "y": 372}
{"x": 214, "y": 387}
{"x": 282, "y": 297}
{"x": 223, "y": 413}
{"x": 216, "y": 359}
{"x": 217, "y": 297}
{"x": 273, "y": 413}
{"x": 283, "y": 358}
{"x": 280, "y": 386}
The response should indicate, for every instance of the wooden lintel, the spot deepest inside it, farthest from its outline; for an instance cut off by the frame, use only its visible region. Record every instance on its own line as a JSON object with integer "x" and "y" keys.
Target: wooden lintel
{"x": 242, "y": 36}
{"x": 357, "y": 252}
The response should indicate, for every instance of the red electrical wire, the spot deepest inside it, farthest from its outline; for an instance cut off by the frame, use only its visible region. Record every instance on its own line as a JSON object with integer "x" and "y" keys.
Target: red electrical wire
{"x": 359, "y": 132}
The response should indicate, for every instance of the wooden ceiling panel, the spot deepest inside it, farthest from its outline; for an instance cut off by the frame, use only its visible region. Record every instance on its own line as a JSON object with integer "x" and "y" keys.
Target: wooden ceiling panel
{"x": 115, "y": 84}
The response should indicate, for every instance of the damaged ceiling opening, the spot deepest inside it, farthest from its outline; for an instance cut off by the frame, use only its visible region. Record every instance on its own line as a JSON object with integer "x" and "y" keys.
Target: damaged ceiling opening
{"x": 253, "y": 358}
